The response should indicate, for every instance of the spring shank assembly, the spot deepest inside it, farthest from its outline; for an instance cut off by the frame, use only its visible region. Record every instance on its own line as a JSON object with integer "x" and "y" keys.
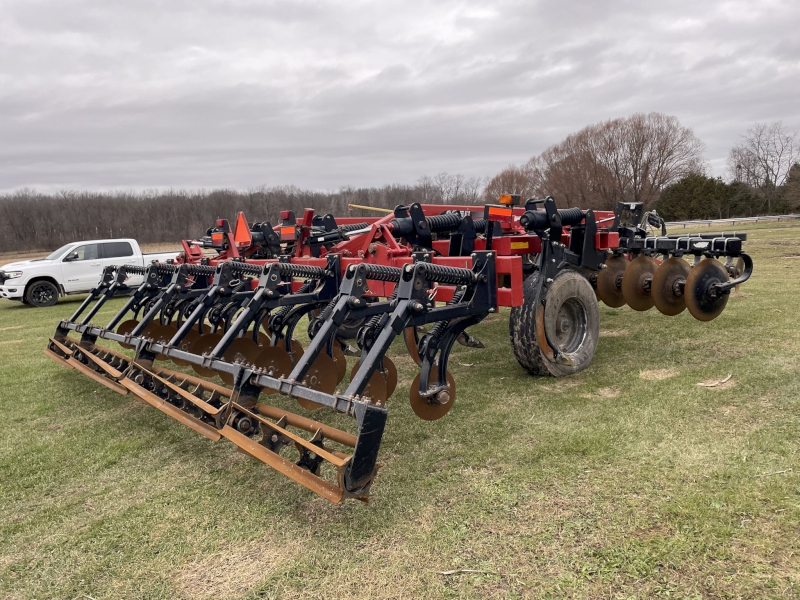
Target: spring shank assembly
{"x": 367, "y": 281}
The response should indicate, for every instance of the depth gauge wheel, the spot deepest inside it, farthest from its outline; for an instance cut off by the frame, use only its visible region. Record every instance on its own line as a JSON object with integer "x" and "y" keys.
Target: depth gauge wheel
{"x": 570, "y": 319}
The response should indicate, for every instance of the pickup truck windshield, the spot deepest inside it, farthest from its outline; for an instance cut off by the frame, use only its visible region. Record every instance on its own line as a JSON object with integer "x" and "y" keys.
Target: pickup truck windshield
{"x": 58, "y": 252}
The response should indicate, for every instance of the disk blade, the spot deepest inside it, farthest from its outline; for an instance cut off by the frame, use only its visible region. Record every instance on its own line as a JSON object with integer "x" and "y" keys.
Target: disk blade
{"x": 204, "y": 345}
{"x": 699, "y": 301}
{"x": 242, "y": 351}
{"x": 608, "y": 280}
{"x": 636, "y": 282}
{"x": 430, "y": 411}
{"x": 125, "y": 328}
{"x": 275, "y": 362}
{"x": 341, "y": 362}
{"x": 666, "y": 287}
{"x": 185, "y": 344}
{"x": 379, "y": 385}
{"x": 321, "y": 376}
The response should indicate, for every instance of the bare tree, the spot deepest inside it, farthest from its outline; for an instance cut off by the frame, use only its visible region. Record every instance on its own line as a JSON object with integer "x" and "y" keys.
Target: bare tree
{"x": 511, "y": 180}
{"x": 791, "y": 196}
{"x": 629, "y": 159}
{"x": 764, "y": 159}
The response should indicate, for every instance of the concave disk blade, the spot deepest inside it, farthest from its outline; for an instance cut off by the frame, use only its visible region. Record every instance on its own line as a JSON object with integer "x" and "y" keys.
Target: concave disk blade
{"x": 410, "y": 336}
{"x": 296, "y": 352}
{"x": 341, "y": 362}
{"x": 665, "y": 283}
{"x": 160, "y": 334}
{"x": 381, "y": 385}
{"x": 203, "y": 345}
{"x": 636, "y": 280}
{"x": 430, "y": 411}
{"x": 276, "y": 362}
{"x": 607, "y": 289}
{"x": 147, "y": 332}
{"x": 125, "y": 328}
{"x": 701, "y": 277}
{"x": 241, "y": 350}
{"x": 321, "y": 376}
{"x": 185, "y": 344}
{"x": 391, "y": 376}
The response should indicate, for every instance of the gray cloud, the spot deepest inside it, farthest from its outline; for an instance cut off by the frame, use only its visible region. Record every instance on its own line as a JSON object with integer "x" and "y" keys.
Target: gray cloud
{"x": 324, "y": 94}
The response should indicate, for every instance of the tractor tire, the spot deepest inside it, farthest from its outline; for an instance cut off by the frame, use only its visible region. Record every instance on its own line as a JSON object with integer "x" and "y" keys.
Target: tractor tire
{"x": 572, "y": 318}
{"x": 41, "y": 294}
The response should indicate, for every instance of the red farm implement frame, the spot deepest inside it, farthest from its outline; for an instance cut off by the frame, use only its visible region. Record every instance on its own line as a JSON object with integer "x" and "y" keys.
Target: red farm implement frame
{"x": 230, "y": 304}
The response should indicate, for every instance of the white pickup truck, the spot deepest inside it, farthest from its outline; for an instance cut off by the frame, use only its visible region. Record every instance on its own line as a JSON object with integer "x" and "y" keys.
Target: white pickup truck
{"x": 72, "y": 269}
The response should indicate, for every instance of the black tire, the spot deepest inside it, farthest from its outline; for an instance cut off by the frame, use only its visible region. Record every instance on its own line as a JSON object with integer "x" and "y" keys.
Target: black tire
{"x": 572, "y": 319}
{"x": 41, "y": 294}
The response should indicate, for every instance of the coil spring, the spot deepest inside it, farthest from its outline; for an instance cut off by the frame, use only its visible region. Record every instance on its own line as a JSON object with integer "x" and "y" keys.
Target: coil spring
{"x": 163, "y": 268}
{"x": 316, "y": 231}
{"x": 306, "y": 287}
{"x": 375, "y": 319}
{"x": 444, "y": 222}
{"x": 383, "y": 272}
{"x": 440, "y": 326}
{"x": 199, "y": 270}
{"x": 246, "y": 268}
{"x": 132, "y": 269}
{"x": 570, "y": 216}
{"x": 353, "y": 227}
{"x": 448, "y": 275}
{"x": 301, "y": 270}
{"x": 326, "y": 312}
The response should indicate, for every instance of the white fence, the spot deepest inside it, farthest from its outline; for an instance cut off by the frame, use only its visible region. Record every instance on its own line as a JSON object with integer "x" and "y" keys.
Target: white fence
{"x": 732, "y": 221}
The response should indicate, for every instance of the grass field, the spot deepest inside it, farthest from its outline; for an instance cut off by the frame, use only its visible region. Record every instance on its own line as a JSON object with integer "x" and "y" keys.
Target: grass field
{"x": 628, "y": 480}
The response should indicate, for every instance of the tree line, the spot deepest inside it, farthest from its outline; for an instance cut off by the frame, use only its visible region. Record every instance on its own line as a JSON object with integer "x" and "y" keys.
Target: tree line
{"x": 35, "y": 221}
{"x": 649, "y": 158}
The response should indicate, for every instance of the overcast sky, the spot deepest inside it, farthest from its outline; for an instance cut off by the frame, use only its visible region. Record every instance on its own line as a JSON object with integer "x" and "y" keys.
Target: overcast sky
{"x": 188, "y": 94}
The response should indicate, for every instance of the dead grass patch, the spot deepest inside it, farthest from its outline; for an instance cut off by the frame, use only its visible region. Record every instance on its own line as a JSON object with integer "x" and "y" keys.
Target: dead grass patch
{"x": 608, "y": 392}
{"x": 657, "y": 374}
{"x": 11, "y": 342}
{"x": 560, "y": 385}
{"x": 233, "y": 570}
{"x": 718, "y": 384}
{"x": 14, "y": 327}
{"x": 613, "y": 332}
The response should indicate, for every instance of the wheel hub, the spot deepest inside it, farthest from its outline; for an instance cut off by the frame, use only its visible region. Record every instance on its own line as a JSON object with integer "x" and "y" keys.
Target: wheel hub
{"x": 571, "y": 325}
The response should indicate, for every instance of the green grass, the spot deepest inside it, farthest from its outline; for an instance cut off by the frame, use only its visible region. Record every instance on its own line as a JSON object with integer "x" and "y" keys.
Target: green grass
{"x": 627, "y": 480}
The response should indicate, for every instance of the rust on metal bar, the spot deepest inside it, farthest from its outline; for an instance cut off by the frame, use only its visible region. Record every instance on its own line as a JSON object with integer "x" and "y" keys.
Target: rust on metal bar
{"x": 309, "y": 425}
{"x": 112, "y": 385}
{"x": 162, "y": 372}
{"x": 172, "y": 411}
{"x": 319, "y": 450}
{"x": 291, "y": 470}
{"x": 199, "y": 402}
{"x": 112, "y": 372}
{"x": 60, "y": 360}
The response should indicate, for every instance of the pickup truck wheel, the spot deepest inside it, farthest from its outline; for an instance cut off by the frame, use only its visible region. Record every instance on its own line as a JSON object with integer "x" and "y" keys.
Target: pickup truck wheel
{"x": 41, "y": 294}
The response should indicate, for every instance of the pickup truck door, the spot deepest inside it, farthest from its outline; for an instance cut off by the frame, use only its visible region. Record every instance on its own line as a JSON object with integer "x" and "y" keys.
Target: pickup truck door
{"x": 121, "y": 253}
{"x": 82, "y": 268}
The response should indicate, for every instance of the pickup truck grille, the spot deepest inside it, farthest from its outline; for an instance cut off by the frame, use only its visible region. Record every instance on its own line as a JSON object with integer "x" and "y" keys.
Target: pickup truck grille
{"x": 3, "y": 277}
